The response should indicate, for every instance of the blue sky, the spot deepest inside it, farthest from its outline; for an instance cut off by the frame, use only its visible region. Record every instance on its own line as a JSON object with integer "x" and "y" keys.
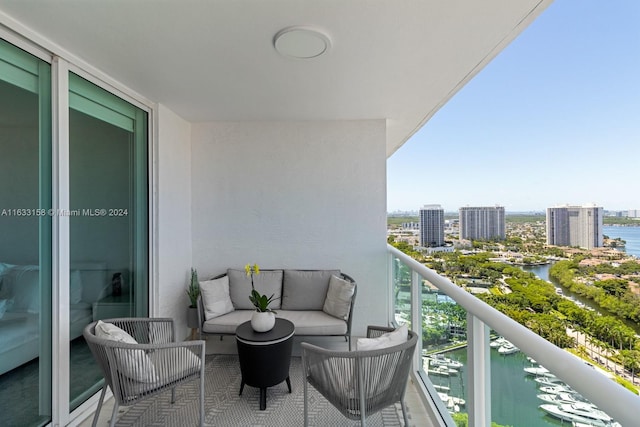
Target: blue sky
{"x": 553, "y": 119}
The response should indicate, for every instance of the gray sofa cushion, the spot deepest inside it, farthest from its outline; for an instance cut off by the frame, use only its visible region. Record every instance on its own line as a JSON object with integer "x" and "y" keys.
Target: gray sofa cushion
{"x": 306, "y": 322}
{"x": 314, "y": 322}
{"x": 305, "y": 289}
{"x": 227, "y": 323}
{"x": 267, "y": 282}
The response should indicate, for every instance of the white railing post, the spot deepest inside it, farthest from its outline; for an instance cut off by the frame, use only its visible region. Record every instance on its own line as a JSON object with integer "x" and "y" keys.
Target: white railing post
{"x": 478, "y": 372}
{"x": 416, "y": 316}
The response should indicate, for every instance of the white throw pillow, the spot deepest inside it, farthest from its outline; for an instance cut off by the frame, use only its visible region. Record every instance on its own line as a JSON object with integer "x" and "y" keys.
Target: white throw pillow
{"x": 338, "y": 300}
{"x": 389, "y": 339}
{"x": 215, "y": 296}
{"x": 129, "y": 361}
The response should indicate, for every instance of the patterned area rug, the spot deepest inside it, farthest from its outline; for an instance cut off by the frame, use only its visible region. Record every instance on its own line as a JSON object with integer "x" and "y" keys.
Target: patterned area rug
{"x": 224, "y": 407}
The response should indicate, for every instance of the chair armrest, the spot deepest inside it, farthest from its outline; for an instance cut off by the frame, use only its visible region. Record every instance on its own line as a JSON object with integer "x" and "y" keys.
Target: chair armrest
{"x": 376, "y": 331}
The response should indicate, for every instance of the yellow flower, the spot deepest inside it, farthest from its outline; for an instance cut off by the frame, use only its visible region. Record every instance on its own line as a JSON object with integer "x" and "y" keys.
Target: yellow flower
{"x": 252, "y": 269}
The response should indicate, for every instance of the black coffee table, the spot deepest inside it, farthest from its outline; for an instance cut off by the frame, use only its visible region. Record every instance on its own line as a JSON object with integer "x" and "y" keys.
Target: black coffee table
{"x": 265, "y": 356}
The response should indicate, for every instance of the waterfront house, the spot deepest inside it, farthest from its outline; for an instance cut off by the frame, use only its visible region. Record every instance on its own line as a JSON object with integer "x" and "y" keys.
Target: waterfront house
{"x": 146, "y": 138}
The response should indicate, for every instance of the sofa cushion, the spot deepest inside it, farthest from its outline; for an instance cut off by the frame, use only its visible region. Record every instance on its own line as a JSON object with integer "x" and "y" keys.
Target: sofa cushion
{"x": 227, "y": 323}
{"x": 215, "y": 297}
{"x": 268, "y": 282}
{"x": 314, "y": 322}
{"x": 339, "y": 294}
{"x": 305, "y": 289}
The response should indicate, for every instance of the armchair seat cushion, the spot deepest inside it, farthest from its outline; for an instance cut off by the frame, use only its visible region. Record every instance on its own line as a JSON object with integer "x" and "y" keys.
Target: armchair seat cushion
{"x": 183, "y": 362}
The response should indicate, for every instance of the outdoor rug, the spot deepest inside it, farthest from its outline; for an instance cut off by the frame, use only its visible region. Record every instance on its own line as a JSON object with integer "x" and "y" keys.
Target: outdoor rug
{"x": 224, "y": 407}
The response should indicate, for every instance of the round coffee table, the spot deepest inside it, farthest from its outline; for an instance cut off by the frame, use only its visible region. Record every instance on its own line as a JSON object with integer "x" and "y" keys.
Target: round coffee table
{"x": 265, "y": 356}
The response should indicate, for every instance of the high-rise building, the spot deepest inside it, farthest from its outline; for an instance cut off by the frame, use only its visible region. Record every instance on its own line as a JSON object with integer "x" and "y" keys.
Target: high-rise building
{"x": 482, "y": 223}
{"x": 575, "y": 226}
{"x": 431, "y": 226}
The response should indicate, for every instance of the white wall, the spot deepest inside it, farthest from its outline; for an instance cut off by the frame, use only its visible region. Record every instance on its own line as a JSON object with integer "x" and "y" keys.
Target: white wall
{"x": 173, "y": 220}
{"x": 294, "y": 195}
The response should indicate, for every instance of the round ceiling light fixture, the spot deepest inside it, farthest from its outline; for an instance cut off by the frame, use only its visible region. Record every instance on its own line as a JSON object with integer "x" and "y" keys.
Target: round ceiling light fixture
{"x": 301, "y": 42}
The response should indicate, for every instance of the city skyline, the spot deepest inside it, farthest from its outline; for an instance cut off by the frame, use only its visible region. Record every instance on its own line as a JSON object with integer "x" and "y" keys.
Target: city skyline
{"x": 552, "y": 120}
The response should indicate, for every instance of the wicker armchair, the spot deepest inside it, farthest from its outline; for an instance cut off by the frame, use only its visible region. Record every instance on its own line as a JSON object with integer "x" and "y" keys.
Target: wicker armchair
{"x": 359, "y": 383}
{"x": 135, "y": 372}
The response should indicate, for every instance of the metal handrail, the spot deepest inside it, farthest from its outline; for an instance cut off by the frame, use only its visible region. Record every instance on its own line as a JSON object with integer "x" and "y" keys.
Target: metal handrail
{"x": 615, "y": 400}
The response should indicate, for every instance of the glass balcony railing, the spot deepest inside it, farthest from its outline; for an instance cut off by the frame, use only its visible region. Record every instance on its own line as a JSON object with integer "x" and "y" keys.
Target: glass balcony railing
{"x": 474, "y": 360}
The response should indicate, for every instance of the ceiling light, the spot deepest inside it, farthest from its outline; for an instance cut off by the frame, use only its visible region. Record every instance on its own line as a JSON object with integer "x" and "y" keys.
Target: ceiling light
{"x": 301, "y": 42}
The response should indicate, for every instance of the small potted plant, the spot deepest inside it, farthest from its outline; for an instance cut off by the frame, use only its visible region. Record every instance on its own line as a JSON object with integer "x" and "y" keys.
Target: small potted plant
{"x": 263, "y": 319}
{"x": 193, "y": 290}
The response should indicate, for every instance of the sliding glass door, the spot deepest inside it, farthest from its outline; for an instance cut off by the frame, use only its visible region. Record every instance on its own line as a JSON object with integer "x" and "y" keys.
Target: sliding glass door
{"x": 108, "y": 222}
{"x": 25, "y": 242}
{"x": 106, "y": 245}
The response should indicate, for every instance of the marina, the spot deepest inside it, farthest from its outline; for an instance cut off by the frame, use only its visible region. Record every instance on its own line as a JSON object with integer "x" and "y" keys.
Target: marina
{"x": 524, "y": 393}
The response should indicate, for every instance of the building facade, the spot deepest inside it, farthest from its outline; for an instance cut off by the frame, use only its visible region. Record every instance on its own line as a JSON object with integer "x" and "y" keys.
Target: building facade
{"x": 575, "y": 226}
{"x": 482, "y": 223}
{"x": 432, "y": 226}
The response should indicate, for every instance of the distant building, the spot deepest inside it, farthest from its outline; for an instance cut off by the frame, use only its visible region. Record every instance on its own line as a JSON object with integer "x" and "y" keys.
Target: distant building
{"x": 633, "y": 213}
{"x": 431, "y": 226}
{"x": 482, "y": 223}
{"x": 575, "y": 226}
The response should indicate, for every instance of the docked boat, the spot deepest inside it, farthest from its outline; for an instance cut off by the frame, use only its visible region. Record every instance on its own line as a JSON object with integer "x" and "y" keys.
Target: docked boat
{"x": 548, "y": 381}
{"x": 499, "y": 342}
{"x": 438, "y": 359}
{"x": 538, "y": 371}
{"x": 562, "y": 398}
{"x": 508, "y": 349}
{"x": 442, "y": 370}
{"x": 578, "y": 412}
{"x": 556, "y": 389}
{"x": 453, "y": 403}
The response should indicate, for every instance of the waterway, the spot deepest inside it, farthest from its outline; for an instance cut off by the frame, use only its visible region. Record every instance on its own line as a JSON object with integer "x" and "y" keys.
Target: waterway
{"x": 629, "y": 234}
{"x": 542, "y": 271}
{"x": 514, "y": 400}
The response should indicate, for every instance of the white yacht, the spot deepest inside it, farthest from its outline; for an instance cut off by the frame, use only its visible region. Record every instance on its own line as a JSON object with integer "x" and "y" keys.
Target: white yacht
{"x": 438, "y": 359}
{"x": 562, "y": 398}
{"x": 508, "y": 349}
{"x": 556, "y": 389}
{"x": 579, "y": 412}
{"x": 549, "y": 381}
{"x": 539, "y": 371}
{"x": 442, "y": 370}
{"x": 499, "y": 342}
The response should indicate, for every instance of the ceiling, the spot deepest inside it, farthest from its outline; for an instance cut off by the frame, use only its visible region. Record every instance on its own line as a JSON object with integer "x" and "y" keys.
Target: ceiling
{"x": 215, "y": 60}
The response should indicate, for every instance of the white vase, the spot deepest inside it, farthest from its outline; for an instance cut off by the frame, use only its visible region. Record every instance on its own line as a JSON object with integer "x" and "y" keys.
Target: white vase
{"x": 263, "y": 321}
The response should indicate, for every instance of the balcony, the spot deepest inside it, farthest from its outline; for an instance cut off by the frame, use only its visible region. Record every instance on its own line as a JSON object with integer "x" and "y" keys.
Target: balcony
{"x": 426, "y": 405}
{"x": 404, "y": 272}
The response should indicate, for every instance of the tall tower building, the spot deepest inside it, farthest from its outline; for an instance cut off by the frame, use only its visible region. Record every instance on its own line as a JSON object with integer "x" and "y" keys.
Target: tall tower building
{"x": 482, "y": 223}
{"x": 575, "y": 226}
{"x": 431, "y": 226}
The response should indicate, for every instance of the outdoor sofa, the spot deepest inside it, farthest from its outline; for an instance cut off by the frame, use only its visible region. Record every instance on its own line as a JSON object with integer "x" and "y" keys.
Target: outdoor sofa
{"x": 317, "y": 302}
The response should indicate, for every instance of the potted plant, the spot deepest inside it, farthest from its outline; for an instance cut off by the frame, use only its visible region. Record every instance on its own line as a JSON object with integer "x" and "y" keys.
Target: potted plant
{"x": 193, "y": 290}
{"x": 263, "y": 319}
